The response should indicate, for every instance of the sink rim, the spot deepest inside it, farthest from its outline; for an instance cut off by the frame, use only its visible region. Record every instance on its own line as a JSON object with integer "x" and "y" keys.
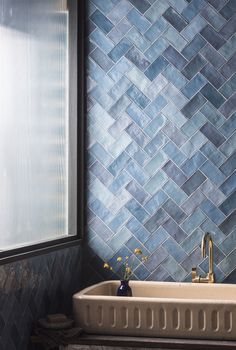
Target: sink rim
{"x": 180, "y": 300}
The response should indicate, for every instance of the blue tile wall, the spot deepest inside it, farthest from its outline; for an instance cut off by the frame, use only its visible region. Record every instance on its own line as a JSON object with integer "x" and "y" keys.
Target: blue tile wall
{"x": 161, "y": 135}
{"x": 33, "y": 288}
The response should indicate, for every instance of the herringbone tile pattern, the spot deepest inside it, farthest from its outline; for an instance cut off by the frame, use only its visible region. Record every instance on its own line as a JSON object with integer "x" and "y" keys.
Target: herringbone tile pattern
{"x": 33, "y": 288}
{"x": 161, "y": 134}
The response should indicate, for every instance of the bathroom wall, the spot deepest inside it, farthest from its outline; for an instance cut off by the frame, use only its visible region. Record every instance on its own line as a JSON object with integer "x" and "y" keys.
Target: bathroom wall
{"x": 32, "y": 288}
{"x": 161, "y": 136}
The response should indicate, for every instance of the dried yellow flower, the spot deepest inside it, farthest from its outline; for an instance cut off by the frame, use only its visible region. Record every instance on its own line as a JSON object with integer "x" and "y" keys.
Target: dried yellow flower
{"x": 128, "y": 270}
{"x": 138, "y": 251}
{"x": 119, "y": 258}
{"x": 106, "y": 266}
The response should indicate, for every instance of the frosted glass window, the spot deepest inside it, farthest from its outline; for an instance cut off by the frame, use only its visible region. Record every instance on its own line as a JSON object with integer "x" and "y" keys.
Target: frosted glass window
{"x": 34, "y": 121}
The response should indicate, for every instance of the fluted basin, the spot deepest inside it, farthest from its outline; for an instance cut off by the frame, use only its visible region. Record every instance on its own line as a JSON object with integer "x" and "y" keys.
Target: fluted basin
{"x": 159, "y": 309}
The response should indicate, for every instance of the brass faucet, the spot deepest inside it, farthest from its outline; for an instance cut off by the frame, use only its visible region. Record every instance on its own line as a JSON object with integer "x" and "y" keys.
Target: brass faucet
{"x": 210, "y": 277}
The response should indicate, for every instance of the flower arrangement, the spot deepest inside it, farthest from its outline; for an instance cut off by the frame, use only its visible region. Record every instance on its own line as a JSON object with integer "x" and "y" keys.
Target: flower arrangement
{"x": 127, "y": 263}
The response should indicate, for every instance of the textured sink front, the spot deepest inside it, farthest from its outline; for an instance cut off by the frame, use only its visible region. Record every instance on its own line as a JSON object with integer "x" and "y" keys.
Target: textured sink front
{"x": 159, "y": 309}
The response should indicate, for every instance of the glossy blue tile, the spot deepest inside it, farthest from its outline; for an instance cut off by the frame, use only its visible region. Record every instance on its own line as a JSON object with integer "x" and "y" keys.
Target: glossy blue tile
{"x": 212, "y": 153}
{"x": 228, "y": 10}
{"x": 102, "y": 21}
{"x": 118, "y": 164}
{"x": 195, "y": 84}
{"x": 137, "y": 58}
{"x": 137, "y": 192}
{"x": 213, "y": 17}
{"x": 156, "y": 182}
{"x": 212, "y": 134}
{"x": 229, "y": 224}
{"x": 212, "y": 172}
{"x": 141, "y": 5}
{"x": 174, "y": 230}
{"x": 193, "y": 183}
{"x": 121, "y": 217}
{"x": 137, "y": 115}
{"x": 137, "y": 173}
{"x": 175, "y": 39}
{"x": 137, "y": 96}
{"x": 174, "y": 250}
{"x": 174, "y": 211}
{"x": 193, "y": 202}
{"x": 229, "y": 28}
{"x": 217, "y": 234}
{"x": 229, "y": 204}
{"x": 136, "y": 210}
{"x": 101, "y": 40}
{"x": 193, "y": 105}
{"x": 229, "y": 107}
{"x": 156, "y": 220}
{"x": 137, "y": 134}
{"x": 175, "y": 77}
{"x": 193, "y": 9}
{"x": 155, "y": 125}
{"x": 156, "y": 29}
{"x": 193, "y": 163}
{"x": 193, "y": 47}
{"x": 229, "y": 68}
{"x": 120, "y": 49}
{"x": 175, "y": 192}
{"x": 230, "y": 165}
{"x": 175, "y": 57}
{"x": 213, "y": 76}
{"x": 101, "y": 59}
{"x": 174, "y": 133}
{"x": 102, "y": 230}
{"x": 156, "y": 143}
{"x": 212, "y": 212}
{"x": 119, "y": 107}
{"x": 212, "y": 114}
{"x": 177, "y": 273}
{"x": 174, "y": 153}
{"x": 101, "y": 211}
{"x": 212, "y": 37}
{"x": 156, "y": 67}
{"x": 138, "y": 230}
{"x": 138, "y": 39}
{"x": 122, "y": 179}
{"x": 104, "y": 6}
{"x": 174, "y": 173}
{"x": 209, "y": 53}
{"x": 212, "y": 95}
{"x": 156, "y": 239}
{"x": 139, "y": 21}
{"x": 229, "y": 87}
{"x": 193, "y": 221}
{"x": 156, "y": 49}
{"x": 156, "y": 106}
{"x": 229, "y": 243}
{"x": 120, "y": 88}
{"x": 193, "y": 124}
{"x": 101, "y": 173}
{"x": 155, "y": 202}
{"x": 137, "y": 153}
{"x": 194, "y": 66}
{"x": 229, "y": 185}
{"x": 178, "y": 22}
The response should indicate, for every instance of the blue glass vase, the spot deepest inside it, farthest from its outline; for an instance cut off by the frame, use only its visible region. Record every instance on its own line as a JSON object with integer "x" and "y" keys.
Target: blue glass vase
{"x": 124, "y": 289}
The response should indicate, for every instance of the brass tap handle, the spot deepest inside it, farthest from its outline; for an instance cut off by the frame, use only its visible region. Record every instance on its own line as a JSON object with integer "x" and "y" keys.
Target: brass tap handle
{"x": 195, "y": 277}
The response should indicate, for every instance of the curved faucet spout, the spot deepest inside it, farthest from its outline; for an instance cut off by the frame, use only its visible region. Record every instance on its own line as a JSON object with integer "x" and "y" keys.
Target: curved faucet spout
{"x": 210, "y": 277}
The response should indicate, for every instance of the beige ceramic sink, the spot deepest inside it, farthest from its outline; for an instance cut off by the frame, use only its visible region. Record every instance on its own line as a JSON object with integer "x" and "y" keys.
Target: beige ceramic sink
{"x": 159, "y": 309}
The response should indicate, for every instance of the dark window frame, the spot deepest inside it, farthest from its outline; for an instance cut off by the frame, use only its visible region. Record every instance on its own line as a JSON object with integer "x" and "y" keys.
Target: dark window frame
{"x": 31, "y": 250}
